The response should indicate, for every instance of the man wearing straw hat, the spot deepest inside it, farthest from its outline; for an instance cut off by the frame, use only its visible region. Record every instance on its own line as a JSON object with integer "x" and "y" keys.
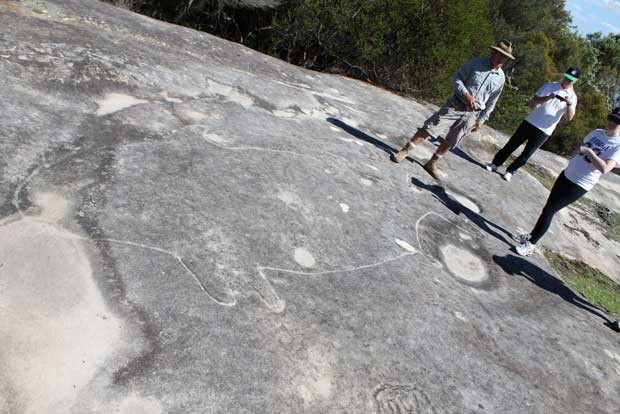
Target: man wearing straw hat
{"x": 477, "y": 86}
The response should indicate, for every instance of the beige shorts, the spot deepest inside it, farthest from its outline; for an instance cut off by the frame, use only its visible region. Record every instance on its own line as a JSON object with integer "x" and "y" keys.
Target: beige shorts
{"x": 452, "y": 121}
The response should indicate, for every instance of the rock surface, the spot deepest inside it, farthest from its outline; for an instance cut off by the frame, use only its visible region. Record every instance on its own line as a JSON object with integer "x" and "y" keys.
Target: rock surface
{"x": 190, "y": 226}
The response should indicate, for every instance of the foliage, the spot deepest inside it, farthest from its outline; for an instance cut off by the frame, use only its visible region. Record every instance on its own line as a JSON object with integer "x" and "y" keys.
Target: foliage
{"x": 412, "y": 46}
{"x": 608, "y": 68}
{"x": 510, "y": 110}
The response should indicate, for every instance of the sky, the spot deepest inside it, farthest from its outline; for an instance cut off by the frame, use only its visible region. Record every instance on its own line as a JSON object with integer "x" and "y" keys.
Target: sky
{"x": 595, "y": 15}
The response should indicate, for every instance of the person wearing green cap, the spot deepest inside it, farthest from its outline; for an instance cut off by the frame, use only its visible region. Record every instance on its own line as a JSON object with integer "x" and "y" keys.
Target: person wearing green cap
{"x": 550, "y": 103}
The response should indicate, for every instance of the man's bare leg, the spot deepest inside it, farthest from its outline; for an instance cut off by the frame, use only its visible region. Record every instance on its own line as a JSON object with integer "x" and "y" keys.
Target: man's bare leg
{"x": 419, "y": 136}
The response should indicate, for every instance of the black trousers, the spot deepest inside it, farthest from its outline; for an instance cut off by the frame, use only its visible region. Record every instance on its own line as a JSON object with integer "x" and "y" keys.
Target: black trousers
{"x": 563, "y": 193}
{"x": 526, "y": 132}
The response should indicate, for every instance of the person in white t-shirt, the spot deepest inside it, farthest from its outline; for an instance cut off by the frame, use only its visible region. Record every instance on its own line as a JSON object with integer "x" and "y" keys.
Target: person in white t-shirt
{"x": 550, "y": 103}
{"x": 599, "y": 154}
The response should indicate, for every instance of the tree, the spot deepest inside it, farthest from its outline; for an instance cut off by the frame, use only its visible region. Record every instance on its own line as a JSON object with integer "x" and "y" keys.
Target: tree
{"x": 413, "y": 46}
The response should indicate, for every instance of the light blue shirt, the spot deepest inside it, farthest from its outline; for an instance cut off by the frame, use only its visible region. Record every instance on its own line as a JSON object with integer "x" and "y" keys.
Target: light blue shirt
{"x": 484, "y": 84}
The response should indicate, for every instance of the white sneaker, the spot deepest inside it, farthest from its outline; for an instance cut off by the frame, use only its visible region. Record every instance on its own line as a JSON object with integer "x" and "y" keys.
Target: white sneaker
{"x": 521, "y": 238}
{"x": 507, "y": 176}
{"x": 526, "y": 249}
{"x": 491, "y": 167}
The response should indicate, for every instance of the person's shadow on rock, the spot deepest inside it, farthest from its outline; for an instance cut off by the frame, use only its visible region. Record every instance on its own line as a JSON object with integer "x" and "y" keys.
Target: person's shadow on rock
{"x": 457, "y": 208}
{"x": 390, "y": 150}
{"x": 515, "y": 265}
{"x": 462, "y": 154}
{"x": 367, "y": 138}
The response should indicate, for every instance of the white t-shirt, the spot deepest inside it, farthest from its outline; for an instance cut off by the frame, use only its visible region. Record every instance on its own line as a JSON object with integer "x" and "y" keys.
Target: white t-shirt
{"x": 581, "y": 170}
{"x": 547, "y": 115}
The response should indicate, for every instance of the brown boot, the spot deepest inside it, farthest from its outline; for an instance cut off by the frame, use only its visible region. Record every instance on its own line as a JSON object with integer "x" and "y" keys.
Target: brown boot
{"x": 431, "y": 167}
{"x": 402, "y": 154}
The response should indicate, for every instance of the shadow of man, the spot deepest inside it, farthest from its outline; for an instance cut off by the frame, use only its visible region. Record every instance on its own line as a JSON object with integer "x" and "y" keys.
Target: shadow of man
{"x": 462, "y": 154}
{"x": 390, "y": 150}
{"x": 367, "y": 138}
{"x": 515, "y": 265}
{"x": 457, "y": 208}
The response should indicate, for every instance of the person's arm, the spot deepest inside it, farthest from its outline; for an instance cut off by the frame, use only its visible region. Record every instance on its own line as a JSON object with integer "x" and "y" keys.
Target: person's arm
{"x": 460, "y": 77}
{"x": 604, "y": 166}
{"x": 571, "y": 108}
{"x": 577, "y": 150}
{"x": 537, "y": 100}
{"x": 541, "y": 96}
{"x": 485, "y": 114}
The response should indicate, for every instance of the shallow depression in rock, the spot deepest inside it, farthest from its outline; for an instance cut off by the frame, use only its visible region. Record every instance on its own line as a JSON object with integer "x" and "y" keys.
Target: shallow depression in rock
{"x": 464, "y": 264}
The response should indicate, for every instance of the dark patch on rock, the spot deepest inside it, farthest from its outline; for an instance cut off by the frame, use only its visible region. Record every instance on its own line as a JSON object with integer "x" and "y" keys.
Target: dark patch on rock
{"x": 141, "y": 365}
{"x": 397, "y": 398}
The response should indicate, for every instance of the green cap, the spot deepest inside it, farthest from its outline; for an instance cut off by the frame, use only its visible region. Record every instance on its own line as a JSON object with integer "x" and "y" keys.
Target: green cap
{"x": 572, "y": 74}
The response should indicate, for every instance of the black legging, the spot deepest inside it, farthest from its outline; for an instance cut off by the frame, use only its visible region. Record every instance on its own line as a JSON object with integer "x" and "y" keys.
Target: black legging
{"x": 563, "y": 193}
{"x": 526, "y": 132}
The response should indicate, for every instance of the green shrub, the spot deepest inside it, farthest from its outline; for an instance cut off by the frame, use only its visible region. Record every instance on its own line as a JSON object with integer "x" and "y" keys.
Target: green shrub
{"x": 412, "y": 46}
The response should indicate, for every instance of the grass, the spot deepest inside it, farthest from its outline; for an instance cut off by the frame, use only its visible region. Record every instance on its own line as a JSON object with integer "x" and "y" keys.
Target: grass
{"x": 606, "y": 218}
{"x": 542, "y": 175}
{"x": 592, "y": 284}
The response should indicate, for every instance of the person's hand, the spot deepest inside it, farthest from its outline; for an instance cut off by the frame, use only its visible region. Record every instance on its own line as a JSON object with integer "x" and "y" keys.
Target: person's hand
{"x": 470, "y": 101}
{"x": 585, "y": 150}
{"x": 568, "y": 102}
{"x": 477, "y": 126}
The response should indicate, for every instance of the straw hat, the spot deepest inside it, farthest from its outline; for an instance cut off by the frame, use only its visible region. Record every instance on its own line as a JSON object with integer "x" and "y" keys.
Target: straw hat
{"x": 505, "y": 48}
